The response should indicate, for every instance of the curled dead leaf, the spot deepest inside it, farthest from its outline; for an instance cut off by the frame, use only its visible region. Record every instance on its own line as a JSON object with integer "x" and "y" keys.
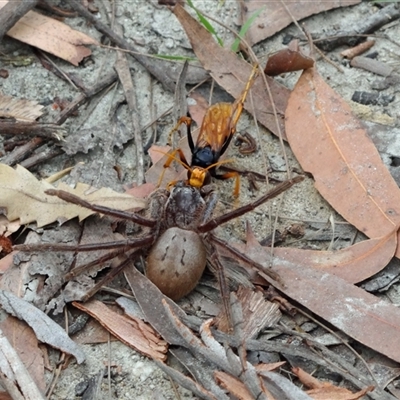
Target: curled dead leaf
{"x": 287, "y": 60}
{"x": 24, "y": 198}
{"x": 329, "y": 142}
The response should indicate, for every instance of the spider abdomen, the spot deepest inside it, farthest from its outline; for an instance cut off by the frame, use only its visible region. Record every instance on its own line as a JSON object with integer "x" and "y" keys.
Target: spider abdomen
{"x": 176, "y": 262}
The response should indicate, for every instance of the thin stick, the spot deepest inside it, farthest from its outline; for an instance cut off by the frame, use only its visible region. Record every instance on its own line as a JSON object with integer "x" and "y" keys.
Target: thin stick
{"x": 20, "y": 152}
{"x": 12, "y": 127}
{"x": 125, "y": 78}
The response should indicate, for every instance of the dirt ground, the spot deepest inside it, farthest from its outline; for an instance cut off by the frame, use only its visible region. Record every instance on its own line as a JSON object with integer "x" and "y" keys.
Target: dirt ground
{"x": 105, "y": 119}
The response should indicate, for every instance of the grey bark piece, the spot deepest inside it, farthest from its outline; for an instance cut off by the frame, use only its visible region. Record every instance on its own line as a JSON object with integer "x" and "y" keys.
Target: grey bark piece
{"x": 46, "y": 330}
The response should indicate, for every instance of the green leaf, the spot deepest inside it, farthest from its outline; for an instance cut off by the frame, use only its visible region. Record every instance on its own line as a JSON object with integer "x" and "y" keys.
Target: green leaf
{"x": 175, "y": 58}
{"x": 245, "y": 27}
{"x": 205, "y": 23}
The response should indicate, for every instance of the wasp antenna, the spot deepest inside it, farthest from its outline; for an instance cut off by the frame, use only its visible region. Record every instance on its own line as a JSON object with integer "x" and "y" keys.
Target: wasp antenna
{"x": 178, "y": 160}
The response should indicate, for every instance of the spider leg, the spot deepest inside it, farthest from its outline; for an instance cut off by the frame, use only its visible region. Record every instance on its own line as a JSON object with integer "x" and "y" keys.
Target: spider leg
{"x": 280, "y": 188}
{"x": 236, "y": 253}
{"x": 71, "y": 198}
{"x": 110, "y": 276}
{"x": 223, "y": 287}
{"x": 98, "y": 261}
{"x": 119, "y": 244}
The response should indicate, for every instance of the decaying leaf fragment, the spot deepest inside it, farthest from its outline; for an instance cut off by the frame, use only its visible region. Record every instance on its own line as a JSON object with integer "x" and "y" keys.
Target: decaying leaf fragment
{"x": 24, "y": 198}
{"x": 329, "y": 141}
{"x": 52, "y": 36}
{"x": 132, "y": 331}
{"x": 15, "y": 377}
{"x": 26, "y": 344}
{"x": 353, "y": 264}
{"x": 19, "y": 109}
{"x": 344, "y": 305}
{"x": 325, "y": 390}
{"x": 258, "y": 313}
{"x": 46, "y": 330}
{"x": 275, "y": 16}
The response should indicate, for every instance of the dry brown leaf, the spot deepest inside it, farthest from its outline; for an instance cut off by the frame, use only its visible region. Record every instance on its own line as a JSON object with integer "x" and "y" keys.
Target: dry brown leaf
{"x": 23, "y": 197}
{"x": 232, "y": 73}
{"x": 52, "y": 36}
{"x": 233, "y": 385}
{"x": 360, "y": 315}
{"x": 275, "y": 16}
{"x": 20, "y": 109}
{"x": 325, "y": 390}
{"x": 46, "y": 330}
{"x": 156, "y": 152}
{"x": 132, "y": 331}
{"x": 337, "y": 393}
{"x": 329, "y": 141}
{"x": 287, "y": 60}
{"x": 150, "y": 300}
{"x": 25, "y": 343}
{"x": 260, "y": 368}
{"x": 353, "y": 264}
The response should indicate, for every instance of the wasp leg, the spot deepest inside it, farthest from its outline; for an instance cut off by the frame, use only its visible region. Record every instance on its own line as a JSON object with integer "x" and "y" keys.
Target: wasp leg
{"x": 182, "y": 120}
{"x": 229, "y": 175}
{"x": 171, "y": 157}
{"x": 238, "y": 105}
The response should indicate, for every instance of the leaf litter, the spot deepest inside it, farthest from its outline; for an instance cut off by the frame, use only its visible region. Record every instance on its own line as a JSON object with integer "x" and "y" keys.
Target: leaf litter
{"x": 46, "y": 330}
{"x": 332, "y": 145}
{"x": 375, "y": 243}
{"x": 280, "y": 15}
{"x": 25, "y": 199}
{"x": 52, "y": 36}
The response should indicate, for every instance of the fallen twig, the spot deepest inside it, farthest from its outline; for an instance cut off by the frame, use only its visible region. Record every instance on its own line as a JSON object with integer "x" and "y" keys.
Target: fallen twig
{"x": 125, "y": 77}
{"x": 12, "y": 127}
{"x": 19, "y": 153}
{"x": 352, "y": 36}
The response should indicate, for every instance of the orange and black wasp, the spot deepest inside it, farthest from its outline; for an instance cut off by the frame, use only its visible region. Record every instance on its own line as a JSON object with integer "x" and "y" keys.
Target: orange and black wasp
{"x": 216, "y": 133}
